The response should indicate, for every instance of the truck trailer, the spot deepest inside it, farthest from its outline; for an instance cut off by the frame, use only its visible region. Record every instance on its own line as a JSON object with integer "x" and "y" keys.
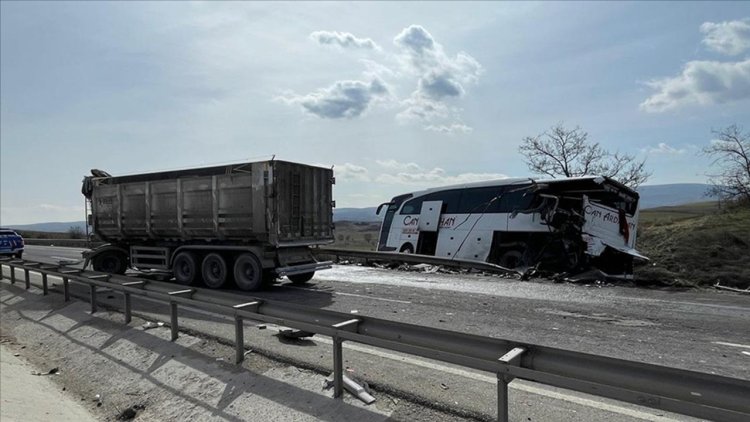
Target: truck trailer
{"x": 251, "y": 222}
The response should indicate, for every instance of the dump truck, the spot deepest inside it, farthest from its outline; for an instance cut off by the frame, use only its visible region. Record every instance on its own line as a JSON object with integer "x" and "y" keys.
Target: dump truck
{"x": 251, "y": 222}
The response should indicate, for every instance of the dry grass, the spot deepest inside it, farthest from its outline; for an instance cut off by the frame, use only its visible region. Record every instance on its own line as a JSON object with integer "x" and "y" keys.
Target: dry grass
{"x": 695, "y": 245}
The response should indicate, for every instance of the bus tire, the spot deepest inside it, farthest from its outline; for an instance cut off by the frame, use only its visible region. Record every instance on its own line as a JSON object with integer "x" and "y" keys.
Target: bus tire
{"x": 407, "y": 248}
{"x": 511, "y": 259}
{"x": 185, "y": 268}
{"x": 214, "y": 270}
{"x": 248, "y": 273}
{"x": 301, "y": 278}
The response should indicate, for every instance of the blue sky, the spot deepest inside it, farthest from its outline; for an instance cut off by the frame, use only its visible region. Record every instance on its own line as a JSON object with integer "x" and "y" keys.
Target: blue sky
{"x": 396, "y": 96}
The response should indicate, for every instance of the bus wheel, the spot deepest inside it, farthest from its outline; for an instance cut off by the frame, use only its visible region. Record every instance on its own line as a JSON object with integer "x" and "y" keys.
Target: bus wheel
{"x": 110, "y": 262}
{"x": 407, "y": 248}
{"x": 248, "y": 274}
{"x": 214, "y": 270}
{"x": 185, "y": 268}
{"x": 511, "y": 259}
{"x": 301, "y": 278}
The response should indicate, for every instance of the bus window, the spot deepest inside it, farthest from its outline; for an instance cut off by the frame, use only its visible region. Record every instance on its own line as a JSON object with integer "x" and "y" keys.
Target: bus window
{"x": 480, "y": 200}
{"x": 516, "y": 200}
{"x": 450, "y": 198}
{"x": 413, "y": 207}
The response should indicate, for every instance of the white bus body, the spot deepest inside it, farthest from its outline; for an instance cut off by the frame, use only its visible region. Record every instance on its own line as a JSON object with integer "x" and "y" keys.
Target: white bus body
{"x": 569, "y": 223}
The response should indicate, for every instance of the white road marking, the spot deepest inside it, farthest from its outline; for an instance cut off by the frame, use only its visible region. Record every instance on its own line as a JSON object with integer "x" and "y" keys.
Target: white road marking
{"x": 352, "y": 294}
{"x": 744, "y": 346}
{"x": 746, "y": 353}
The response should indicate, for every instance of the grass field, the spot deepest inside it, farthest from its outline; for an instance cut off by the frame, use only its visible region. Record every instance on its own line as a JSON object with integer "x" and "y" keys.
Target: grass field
{"x": 695, "y": 244}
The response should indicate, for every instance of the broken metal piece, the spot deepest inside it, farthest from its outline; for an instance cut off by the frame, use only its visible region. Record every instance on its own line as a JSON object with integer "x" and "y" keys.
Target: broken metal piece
{"x": 295, "y": 334}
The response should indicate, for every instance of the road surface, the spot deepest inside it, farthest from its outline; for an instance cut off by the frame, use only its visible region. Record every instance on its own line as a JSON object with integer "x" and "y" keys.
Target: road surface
{"x": 700, "y": 330}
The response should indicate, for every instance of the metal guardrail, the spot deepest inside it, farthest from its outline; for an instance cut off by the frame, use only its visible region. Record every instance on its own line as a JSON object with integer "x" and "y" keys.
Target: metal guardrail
{"x": 675, "y": 390}
{"x": 415, "y": 259}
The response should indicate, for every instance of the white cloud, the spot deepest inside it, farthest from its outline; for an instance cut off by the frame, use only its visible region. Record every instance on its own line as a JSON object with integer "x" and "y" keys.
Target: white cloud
{"x": 664, "y": 148}
{"x": 343, "y": 40}
{"x": 450, "y": 129}
{"x": 415, "y": 175}
{"x": 397, "y": 165}
{"x": 703, "y": 83}
{"x": 349, "y": 171}
{"x": 344, "y": 99}
{"x": 729, "y": 37}
{"x": 440, "y": 77}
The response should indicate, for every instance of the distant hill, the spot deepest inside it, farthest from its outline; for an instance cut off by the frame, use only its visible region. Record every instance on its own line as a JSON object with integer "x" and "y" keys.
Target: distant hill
{"x": 50, "y": 227}
{"x": 356, "y": 214}
{"x": 675, "y": 194}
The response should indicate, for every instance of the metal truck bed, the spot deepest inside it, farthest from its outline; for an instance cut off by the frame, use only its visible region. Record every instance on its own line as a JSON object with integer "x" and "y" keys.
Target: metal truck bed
{"x": 275, "y": 202}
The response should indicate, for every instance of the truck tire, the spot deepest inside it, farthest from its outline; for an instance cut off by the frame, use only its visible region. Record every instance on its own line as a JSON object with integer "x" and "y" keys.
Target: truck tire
{"x": 214, "y": 270}
{"x": 248, "y": 274}
{"x": 185, "y": 268}
{"x": 110, "y": 262}
{"x": 301, "y": 278}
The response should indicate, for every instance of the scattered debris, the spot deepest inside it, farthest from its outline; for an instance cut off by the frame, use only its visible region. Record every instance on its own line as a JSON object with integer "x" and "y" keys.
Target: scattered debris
{"x": 248, "y": 352}
{"x": 131, "y": 412}
{"x": 219, "y": 359}
{"x": 52, "y": 371}
{"x": 149, "y": 325}
{"x": 362, "y": 392}
{"x": 731, "y": 289}
{"x": 16, "y": 354}
{"x": 295, "y": 334}
{"x": 261, "y": 326}
{"x": 98, "y": 400}
{"x": 443, "y": 386}
{"x": 354, "y": 311}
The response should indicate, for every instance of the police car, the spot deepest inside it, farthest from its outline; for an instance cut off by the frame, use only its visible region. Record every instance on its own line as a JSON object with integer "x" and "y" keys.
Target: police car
{"x": 11, "y": 243}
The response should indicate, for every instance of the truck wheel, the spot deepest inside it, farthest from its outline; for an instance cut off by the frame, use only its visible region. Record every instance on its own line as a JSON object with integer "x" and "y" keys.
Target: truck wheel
{"x": 248, "y": 274}
{"x": 185, "y": 268}
{"x": 301, "y": 278}
{"x": 110, "y": 262}
{"x": 214, "y": 270}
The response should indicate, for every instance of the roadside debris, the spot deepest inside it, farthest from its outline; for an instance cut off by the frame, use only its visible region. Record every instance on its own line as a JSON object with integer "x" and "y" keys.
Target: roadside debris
{"x": 732, "y": 289}
{"x": 443, "y": 386}
{"x": 362, "y": 392}
{"x": 131, "y": 412}
{"x": 261, "y": 326}
{"x": 52, "y": 371}
{"x": 295, "y": 334}
{"x": 149, "y": 325}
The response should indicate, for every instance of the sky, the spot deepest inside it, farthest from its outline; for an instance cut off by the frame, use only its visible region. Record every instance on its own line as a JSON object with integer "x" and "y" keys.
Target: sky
{"x": 396, "y": 97}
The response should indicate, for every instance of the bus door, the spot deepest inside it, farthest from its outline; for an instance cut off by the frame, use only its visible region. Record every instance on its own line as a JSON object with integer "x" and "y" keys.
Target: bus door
{"x": 429, "y": 222}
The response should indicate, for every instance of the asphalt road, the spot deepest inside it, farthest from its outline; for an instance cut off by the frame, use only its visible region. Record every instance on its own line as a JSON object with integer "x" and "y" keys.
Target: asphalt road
{"x": 703, "y": 330}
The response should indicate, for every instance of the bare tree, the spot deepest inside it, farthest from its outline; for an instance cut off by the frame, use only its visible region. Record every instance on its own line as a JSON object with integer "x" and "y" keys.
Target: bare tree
{"x": 731, "y": 155}
{"x": 560, "y": 151}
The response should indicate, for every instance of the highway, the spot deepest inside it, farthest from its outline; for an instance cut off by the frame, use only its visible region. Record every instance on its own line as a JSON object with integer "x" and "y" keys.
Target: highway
{"x": 702, "y": 330}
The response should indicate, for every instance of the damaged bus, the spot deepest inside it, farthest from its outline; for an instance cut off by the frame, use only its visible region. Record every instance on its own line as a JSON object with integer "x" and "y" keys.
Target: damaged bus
{"x": 568, "y": 225}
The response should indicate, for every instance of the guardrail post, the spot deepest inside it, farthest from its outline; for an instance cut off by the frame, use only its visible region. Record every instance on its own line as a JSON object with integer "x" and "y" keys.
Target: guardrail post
{"x": 26, "y": 277}
{"x": 44, "y": 284}
{"x": 128, "y": 315}
{"x": 338, "y": 367}
{"x": 173, "y": 320}
{"x": 502, "y": 398}
{"x": 92, "y": 291}
{"x": 239, "y": 334}
{"x": 66, "y": 289}
{"x": 12, "y": 274}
